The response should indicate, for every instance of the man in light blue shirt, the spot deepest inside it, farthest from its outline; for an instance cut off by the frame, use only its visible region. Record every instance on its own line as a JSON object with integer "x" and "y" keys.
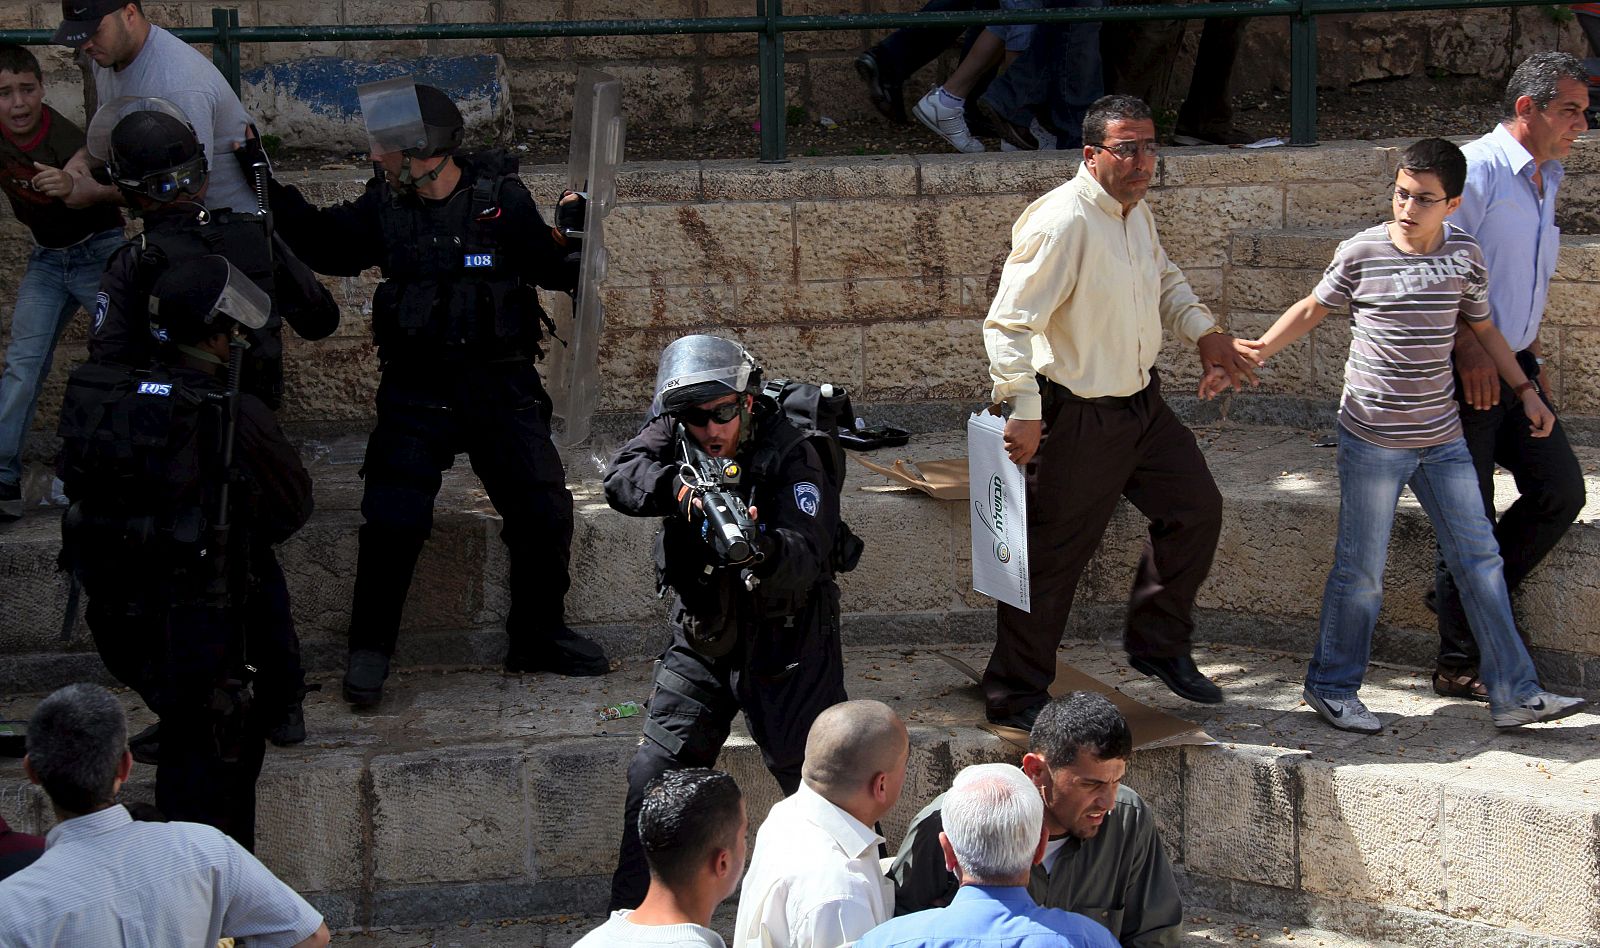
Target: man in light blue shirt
{"x": 105, "y": 880}
{"x": 1509, "y": 205}
{"x": 993, "y": 836}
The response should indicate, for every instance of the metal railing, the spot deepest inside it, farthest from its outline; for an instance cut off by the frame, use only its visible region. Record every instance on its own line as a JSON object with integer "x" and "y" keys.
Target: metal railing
{"x": 770, "y": 24}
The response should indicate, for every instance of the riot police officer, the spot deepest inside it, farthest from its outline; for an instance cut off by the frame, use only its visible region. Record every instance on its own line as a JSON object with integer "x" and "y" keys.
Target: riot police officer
{"x": 457, "y": 323}
{"x": 755, "y": 626}
{"x": 178, "y": 483}
{"x": 149, "y": 150}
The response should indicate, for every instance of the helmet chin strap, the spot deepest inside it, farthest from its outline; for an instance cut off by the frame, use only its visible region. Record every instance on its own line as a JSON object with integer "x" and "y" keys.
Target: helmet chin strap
{"x": 409, "y": 182}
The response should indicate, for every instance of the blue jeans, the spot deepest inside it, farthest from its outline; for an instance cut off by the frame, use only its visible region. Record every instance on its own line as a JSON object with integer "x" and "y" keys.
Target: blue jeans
{"x": 1057, "y": 78}
{"x": 1446, "y": 484}
{"x": 56, "y": 283}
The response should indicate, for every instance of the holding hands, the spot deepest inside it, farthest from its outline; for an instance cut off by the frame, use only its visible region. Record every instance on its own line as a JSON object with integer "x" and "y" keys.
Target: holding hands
{"x": 1227, "y": 363}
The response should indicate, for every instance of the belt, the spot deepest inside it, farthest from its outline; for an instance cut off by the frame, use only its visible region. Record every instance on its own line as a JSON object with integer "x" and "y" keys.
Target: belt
{"x": 1059, "y": 391}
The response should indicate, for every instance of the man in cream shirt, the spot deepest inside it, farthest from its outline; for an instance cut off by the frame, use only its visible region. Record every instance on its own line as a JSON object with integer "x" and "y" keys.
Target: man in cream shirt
{"x": 1072, "y": 337}
{"x": 814, "y": 879}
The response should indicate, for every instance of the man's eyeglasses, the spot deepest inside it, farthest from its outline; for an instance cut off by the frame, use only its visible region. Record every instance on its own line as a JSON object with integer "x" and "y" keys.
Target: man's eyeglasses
{"x": 700, "y": 417}
{"x": 1401, "y": 196}
{"x": 1126, "y": 150}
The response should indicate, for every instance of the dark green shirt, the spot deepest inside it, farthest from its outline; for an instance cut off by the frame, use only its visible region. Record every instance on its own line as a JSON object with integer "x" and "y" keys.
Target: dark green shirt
{"x": 1120, "y": 877}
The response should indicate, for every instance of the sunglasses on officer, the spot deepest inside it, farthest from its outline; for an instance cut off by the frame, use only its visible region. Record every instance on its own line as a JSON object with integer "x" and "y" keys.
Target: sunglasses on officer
{"x": 700, "y": 417}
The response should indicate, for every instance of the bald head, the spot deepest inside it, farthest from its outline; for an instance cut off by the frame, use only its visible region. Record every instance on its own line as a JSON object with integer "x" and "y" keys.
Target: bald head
{"x": 850, "y": 746}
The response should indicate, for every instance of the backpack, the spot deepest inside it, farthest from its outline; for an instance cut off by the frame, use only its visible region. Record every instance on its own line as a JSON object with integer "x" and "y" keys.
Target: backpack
{"x": 817, "y": 411}
{"x": 134, "y": 447}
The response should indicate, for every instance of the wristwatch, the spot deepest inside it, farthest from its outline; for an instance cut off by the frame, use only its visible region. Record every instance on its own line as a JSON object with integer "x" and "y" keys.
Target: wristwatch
{"x": 1530, "y": 383}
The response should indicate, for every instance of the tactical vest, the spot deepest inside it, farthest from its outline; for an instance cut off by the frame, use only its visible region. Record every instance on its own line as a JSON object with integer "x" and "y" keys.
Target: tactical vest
{"x": 447, "y": 281}
{"x": 138, "y": 453}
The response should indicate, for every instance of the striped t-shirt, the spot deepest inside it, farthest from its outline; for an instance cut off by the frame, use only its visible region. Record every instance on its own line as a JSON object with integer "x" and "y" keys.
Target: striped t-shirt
{"x": 1398, "y": 391}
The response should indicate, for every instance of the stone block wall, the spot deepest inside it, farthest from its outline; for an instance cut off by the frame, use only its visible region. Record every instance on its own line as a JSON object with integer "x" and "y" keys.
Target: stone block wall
{"x": 877, "y": 272}
{"x": 697, "y": 80}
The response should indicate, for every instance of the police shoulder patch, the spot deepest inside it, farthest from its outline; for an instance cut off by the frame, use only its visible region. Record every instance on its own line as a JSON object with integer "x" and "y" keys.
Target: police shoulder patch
{"x": 807, "y": 498}
{"x": 102, "y": 303}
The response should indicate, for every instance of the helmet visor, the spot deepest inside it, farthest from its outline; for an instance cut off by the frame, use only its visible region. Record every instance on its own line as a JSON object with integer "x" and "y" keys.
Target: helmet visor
{"x": 393, "y": 115}
{"x": 696, "y": 369}
{"x": 97, "y": 140}
{"x": 205, "y": 289}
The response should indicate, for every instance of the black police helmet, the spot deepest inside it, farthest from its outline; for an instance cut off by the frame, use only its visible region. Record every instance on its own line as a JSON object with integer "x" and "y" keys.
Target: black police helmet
{"x": 442, "y": 122}
{"x": 147, "y": 143}
{"x": 197, "y": 298}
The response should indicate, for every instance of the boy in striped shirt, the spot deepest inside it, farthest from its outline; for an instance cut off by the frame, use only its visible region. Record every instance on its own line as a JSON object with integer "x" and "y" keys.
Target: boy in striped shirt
{"x": 1406, "y": 282}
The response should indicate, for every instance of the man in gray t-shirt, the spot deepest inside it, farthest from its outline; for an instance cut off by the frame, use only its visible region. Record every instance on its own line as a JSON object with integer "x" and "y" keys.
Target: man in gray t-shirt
{"x": 134, "y": 57}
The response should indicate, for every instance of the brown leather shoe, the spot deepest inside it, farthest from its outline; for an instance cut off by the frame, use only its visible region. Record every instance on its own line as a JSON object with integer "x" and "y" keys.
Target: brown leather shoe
{"x": 1459, "y": 684}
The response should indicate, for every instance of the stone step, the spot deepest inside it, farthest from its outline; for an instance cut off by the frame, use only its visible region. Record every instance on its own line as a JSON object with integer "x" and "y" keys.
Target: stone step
{"x": 913, "y": 585}
{"x": 1203, "y": 928}
{"x": 472, "y": 795}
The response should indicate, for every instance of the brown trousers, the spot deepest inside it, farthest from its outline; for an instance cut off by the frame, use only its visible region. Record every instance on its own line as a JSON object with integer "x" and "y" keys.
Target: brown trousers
{"x": 1091, "y": 455}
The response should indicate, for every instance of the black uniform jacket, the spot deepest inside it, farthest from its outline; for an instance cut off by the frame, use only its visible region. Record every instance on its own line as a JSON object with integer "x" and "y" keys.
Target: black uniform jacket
{"x": 277, "y": 488}
{"x": 796, "y": 588}
{"x": 345, "y": 239}
{"x": 120, "y": 331}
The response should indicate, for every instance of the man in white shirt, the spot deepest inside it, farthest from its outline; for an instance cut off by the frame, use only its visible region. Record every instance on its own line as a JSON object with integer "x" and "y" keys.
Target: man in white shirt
{"x": 107, "y": 881}
{"x": 815, "y": 880}
{"x": 1073, "y": 333}
{"x": 692, "y": 825}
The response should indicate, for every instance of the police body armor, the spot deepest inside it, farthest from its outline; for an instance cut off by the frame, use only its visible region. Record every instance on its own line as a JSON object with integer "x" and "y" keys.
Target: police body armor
{"x": 243, "y": 239}
{"x": 133, "y": 463}
{"x": 446, "y": 280}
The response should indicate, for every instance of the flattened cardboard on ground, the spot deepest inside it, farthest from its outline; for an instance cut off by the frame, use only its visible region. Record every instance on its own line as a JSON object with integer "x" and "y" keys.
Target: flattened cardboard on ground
{"x": 943, "y": 480}
{"x": 1151, "y": 727}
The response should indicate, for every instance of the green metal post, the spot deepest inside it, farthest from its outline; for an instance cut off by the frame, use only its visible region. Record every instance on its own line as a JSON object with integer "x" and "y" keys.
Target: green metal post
{"x": 1303, "y": 78}
{"x": 774, "y": 145}
{"x": 225, "y": 49}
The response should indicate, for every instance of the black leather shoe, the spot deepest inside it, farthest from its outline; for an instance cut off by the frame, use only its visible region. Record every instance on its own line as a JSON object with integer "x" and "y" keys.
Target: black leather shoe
{"x": 1020, "y": 136}
{"x": 1181, "y": 676}
{"x": 363, "y": 678}
{"x": 565, "y": 653}
{"x": 291, "y": 726}
{"x": 1022, "y": 720}
{"x": 885, "y": 93}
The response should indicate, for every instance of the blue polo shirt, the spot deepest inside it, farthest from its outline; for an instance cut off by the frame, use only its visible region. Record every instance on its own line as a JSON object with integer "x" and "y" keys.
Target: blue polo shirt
{"x": 984, "y": 916}
{"x": 1516, "y": 227}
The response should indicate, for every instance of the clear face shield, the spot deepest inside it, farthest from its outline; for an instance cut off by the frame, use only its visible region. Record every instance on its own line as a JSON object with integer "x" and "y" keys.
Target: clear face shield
{"x": 188, "y": 178}
{"x": 696, "y": 369}
{"x": 213, "y": 287}
{"x": 393, "y": 117}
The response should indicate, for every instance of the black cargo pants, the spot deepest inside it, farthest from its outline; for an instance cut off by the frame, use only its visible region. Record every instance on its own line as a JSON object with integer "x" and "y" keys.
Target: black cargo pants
{"x": 781, "y": 678}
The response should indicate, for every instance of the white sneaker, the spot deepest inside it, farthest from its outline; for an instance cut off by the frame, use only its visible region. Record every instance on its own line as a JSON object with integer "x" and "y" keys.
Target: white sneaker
{"x": 1543, "y": 706}
{"x": 1046, "y": 138}
{"x": 1346, "y": 714}
{"x": 949, "y": 124}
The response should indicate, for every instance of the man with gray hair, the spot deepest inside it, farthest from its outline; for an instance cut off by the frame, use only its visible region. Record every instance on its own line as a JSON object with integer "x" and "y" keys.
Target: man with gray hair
{"x": 814, "y": 879}
{"x": 994, "y": 834}
{"x": 1509, "y": 205}
{"x": 1104, "y": 857}
{"x": 106, "y": 880}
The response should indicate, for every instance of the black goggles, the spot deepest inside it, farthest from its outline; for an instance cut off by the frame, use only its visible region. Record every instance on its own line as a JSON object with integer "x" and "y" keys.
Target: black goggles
{"x": 188, "y": 178}
{"x": 700, "y": 417}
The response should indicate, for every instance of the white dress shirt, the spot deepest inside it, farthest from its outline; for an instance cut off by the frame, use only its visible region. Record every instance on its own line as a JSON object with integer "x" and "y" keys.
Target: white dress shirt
{"x": 107, "y": 881}
{"x": 1084, "y": 297}
{"x": 814, "y": 879}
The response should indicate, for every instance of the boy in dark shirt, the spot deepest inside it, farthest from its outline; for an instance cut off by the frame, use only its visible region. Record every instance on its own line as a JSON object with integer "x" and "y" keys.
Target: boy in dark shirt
{"x": 73, "y": 234}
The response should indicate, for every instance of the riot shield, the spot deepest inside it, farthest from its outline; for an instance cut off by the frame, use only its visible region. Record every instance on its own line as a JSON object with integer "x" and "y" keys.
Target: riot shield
{"x": 572, "y": 370}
